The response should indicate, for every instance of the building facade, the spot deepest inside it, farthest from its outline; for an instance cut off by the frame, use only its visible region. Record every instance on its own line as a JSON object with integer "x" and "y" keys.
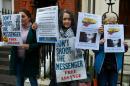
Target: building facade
{"x": 121, "y": 8}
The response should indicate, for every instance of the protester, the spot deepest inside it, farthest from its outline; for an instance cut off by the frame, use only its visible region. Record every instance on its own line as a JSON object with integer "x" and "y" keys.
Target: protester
{"x": 24, "y": 61}
{"x": 67, "y": 30}
{"x": 107, "y": 65}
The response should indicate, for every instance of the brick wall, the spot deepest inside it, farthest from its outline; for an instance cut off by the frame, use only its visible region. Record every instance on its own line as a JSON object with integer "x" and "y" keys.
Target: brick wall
{"x": 69, "y": 4}
{"x": 19, "y": 4}
{"x": 63, "y": 4}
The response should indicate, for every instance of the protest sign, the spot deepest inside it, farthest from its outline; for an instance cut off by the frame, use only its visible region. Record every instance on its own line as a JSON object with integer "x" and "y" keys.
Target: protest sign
{"x": 114, "y": 36}
{"x": 47, "y": 20}
{"x": 11, "y": 29}
{"x": 87, "y": 36}
{"x": 69, "y": 62}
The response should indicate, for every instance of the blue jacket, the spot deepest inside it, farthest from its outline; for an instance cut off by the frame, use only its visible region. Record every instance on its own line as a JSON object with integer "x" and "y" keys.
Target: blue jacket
{"x": 100, "y": 56}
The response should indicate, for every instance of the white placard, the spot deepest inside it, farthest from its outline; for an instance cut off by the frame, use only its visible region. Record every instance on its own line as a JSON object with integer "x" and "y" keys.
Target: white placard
{"x": 47, "y": 20}
{"x": 114, "y": 36}
{"x": 11, "y": 29}
{"x": 87, "y": 36}
{"x": 69, "y": 61}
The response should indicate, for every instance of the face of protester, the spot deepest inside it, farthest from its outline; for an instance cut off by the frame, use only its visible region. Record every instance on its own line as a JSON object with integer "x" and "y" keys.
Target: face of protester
{"x": 111, "y": 20}
{"x": 25, "y": 19}
{"x": 66, "y": 20}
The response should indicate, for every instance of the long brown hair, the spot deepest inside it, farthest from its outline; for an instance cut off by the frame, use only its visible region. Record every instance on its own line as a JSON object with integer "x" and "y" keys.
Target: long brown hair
{"x": 71, "y": 17}
{"x": 27, "y": 13}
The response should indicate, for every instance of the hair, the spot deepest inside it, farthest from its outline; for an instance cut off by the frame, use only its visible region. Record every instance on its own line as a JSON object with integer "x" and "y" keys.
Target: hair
{"x": 27, "y": 13}
{"x": 83, "y": 37}
{"x": 109, "y": 43}
{"x": 110, "y": 18}
{"x": 71, "y": 17}
{"x": 107, "y": 19}
{"x": 119, "y": 43}
{"x": 94, "y": 38}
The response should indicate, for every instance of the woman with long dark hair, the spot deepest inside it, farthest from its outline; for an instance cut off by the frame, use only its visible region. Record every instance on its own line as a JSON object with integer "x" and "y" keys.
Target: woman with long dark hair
{"x": 24, "y": 61}
{"x": 66, "y": 24}
{"x": 66, "y": 30}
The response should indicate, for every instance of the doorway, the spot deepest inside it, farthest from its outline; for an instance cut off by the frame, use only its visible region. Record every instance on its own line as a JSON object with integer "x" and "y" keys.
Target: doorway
{"x": 124, "y": 16}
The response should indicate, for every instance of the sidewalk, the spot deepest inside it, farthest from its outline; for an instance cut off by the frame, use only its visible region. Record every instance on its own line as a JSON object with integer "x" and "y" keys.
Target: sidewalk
{"x": 43, "y": 82}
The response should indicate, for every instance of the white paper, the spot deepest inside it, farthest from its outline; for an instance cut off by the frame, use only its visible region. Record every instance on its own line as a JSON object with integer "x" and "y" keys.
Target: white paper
{"x": 69, "y": 62}
{"x": 87, "y": 36}
{"x": 114, "y": 36}
{"x": 11, "y": 29}
{"x": 47, "y": 20}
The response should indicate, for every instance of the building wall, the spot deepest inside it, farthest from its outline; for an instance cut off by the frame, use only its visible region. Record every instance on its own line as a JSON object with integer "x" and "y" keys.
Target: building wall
{"x": 5, "y": 4}
{"x": 100, "y": 6}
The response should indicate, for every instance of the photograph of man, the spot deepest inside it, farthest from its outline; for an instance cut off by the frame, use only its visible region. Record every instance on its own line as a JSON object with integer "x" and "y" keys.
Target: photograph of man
{"x": 88, "y": 37}
{"x": 114, "y": 42}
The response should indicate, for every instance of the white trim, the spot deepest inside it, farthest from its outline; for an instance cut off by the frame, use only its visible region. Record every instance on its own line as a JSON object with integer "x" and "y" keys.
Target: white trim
{"x": 1, "y": 6}
{"x": 12, "y": 6}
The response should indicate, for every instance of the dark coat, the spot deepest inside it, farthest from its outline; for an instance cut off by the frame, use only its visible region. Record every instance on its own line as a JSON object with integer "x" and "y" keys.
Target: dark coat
{"x": 32, "y": 58}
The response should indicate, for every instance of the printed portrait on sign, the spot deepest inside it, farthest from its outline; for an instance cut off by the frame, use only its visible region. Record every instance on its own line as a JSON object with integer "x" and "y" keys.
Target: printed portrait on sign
{"x": 87, "y": 37}
{"x": 113, "y": 42}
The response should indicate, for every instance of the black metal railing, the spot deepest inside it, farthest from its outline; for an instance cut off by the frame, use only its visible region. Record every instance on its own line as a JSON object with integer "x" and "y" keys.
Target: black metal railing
{"x": 5, "y": 11}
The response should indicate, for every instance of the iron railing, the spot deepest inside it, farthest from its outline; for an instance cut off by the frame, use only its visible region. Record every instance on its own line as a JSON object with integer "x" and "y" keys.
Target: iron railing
{"x": 5, "y": 11}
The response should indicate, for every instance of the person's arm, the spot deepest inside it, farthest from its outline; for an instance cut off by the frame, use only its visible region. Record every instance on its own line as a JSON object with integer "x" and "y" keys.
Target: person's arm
{"x": 34, "y": 26}
{"x": 126, "y": 46}
{"x": 101, "y": 30}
